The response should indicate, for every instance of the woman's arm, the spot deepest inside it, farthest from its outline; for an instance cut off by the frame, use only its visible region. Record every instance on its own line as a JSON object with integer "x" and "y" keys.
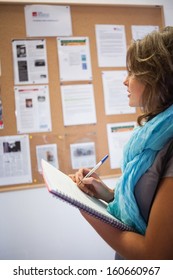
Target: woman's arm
{"x": 158, "y": 240}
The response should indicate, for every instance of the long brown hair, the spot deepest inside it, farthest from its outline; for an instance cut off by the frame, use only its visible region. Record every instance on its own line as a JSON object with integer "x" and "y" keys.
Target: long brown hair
{"x": 150, "y": 60}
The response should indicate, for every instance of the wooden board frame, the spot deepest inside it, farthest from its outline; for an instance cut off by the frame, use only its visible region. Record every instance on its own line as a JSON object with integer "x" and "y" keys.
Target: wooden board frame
{"x": 84, "y": 18}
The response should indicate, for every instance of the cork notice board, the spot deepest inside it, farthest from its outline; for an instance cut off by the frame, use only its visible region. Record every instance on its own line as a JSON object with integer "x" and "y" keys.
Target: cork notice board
{"x": 84, "y": 19}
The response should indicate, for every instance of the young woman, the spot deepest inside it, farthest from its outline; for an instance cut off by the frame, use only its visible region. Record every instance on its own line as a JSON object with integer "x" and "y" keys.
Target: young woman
{"x": 143, "y": 196}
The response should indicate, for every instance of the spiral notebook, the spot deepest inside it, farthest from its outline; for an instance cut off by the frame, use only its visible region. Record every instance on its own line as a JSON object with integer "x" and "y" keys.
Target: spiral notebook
{"x": 62, "y": 187}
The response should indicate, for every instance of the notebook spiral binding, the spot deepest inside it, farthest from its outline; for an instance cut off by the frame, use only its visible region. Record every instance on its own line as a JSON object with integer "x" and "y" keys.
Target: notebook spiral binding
{"x": 118, "y": 224}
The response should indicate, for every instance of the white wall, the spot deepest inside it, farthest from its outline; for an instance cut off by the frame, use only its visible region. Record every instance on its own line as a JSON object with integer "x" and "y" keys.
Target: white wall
{"x": 33, "y": 225}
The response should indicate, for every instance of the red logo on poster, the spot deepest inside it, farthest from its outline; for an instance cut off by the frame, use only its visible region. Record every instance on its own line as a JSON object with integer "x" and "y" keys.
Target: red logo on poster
{"x": 34, "y": 14}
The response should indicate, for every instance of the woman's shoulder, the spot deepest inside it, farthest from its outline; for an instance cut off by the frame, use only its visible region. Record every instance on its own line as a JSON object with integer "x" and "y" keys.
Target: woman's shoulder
{"x": 146, "y": 187}
{"x": 163, "y": 163}
{"x": 167, "y": 153}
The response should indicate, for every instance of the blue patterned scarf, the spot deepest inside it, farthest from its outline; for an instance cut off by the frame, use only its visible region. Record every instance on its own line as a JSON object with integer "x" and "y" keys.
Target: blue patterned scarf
{"x": 139, "y": 155}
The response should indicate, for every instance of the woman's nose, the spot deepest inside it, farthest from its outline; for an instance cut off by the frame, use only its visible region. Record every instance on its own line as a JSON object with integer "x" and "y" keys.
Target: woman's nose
{"x": 125, "y": 82}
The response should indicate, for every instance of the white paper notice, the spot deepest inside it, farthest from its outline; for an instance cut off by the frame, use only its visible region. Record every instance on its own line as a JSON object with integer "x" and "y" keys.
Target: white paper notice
{"x": 83, "y": 155}
{"x": 30, "y": 62}
{"x": 45, "y": 20}
{"x": 15, "y": 160}
{"x": 74, "y": 59}
{"x": 115, "y": 93}
{"x": 118, "y": 135}
{"x": 111, "y": 45}
{"x": 78, "y": 104}
{"x": 32, "y": 109}
{"x": 48, "y": 153}
{"x": 139, "y": 31}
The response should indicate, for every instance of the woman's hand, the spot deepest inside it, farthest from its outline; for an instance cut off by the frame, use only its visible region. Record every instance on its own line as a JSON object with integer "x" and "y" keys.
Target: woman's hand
{"x": 93, "y": 185}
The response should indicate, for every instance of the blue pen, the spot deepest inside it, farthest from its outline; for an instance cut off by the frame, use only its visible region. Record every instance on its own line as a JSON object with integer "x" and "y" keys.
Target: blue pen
{"x": 97, "y": 166}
